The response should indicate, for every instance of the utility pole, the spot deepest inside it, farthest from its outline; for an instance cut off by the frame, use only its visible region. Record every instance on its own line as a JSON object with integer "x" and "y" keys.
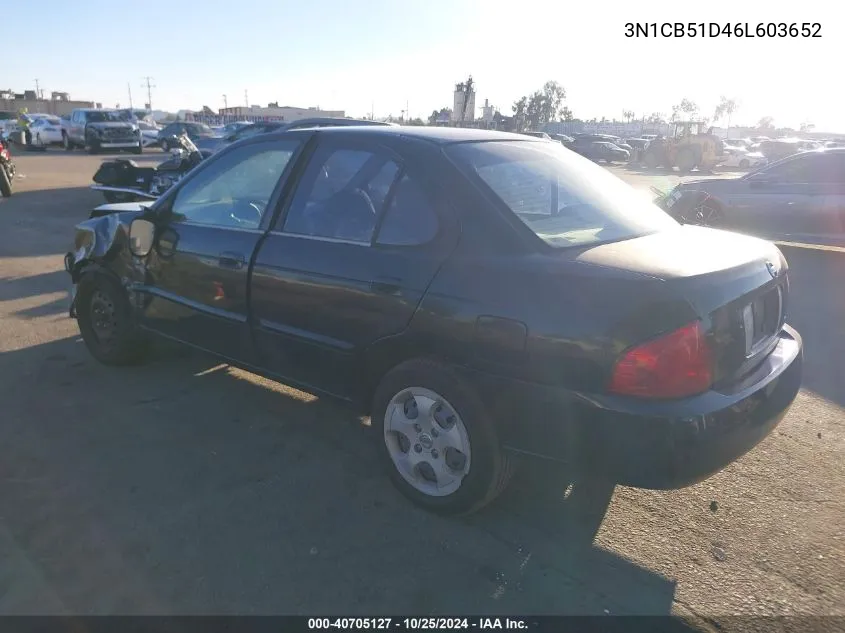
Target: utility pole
{"x": 246, "y": 97}
{"x": 149, "y": 86}
{"x": 37, "y": 90}
{"x": 225, "y": 102}
{"x": 373, "y": 111}
{"x": 129, "y": 88}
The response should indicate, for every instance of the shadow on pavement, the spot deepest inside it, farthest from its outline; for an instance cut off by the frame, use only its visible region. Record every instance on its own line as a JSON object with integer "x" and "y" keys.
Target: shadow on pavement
{"x": 30, "y": 225}
{"x": 186, "y": 487}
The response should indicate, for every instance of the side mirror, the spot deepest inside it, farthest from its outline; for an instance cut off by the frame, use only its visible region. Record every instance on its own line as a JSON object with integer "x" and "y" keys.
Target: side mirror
{"x": 141, "y": 237}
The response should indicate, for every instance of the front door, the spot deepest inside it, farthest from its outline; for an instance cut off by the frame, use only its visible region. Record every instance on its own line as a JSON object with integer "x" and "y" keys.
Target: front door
{"x": 198, "y": 272}
{"x": 347, "y": 264}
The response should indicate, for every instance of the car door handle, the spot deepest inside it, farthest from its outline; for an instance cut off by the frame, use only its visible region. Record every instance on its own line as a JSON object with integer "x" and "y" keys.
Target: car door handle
{"x": 231, "y": 260}
{"x": 386, "y": 285}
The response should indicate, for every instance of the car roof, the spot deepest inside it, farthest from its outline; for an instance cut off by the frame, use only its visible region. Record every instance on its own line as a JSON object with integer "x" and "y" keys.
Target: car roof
{"x": 438, "y": 135}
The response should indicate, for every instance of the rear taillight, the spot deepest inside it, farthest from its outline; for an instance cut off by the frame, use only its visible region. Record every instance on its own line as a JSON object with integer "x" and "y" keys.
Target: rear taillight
{"x": 676, "y": 365}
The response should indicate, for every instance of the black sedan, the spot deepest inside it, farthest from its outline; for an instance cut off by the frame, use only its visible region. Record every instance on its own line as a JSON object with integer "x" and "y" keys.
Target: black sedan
{"x": 800, "y": 198}
{"x": 603, "y": 150}
{"x": 201, "y": 134}
{"x": 479, "y": 295}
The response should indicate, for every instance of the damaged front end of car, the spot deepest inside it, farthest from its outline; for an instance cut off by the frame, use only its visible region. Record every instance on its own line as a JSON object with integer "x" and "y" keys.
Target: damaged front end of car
{"x": 101, "y": 244}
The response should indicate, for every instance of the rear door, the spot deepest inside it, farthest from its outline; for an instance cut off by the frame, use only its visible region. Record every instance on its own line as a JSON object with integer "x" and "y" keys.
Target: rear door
{"x": 198, "y": 273}
{"x": 775, "y": 202}
{"x": 347, "y": 263}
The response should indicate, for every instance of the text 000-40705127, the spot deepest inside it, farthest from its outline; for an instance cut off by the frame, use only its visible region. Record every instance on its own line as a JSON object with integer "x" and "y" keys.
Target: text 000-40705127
{"x": 728, "y": 29}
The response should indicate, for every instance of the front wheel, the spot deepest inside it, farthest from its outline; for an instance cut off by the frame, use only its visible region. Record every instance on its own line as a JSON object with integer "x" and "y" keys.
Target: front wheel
{"x": 93, "y": 146}
{"x": 5, "y": 183}
{"x": 105, "y": 321}
{"x": 437, "y": 439}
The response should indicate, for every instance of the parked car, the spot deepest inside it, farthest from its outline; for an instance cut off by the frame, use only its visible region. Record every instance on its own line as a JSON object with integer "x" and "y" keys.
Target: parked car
{"x": 799, "y": 198}
{"x": 541, "y": 135}
{"x": 586, "y": 141}
{"x": 8, "y": 121}
{"x": 479, "y": 295}
{"x": 735, "y": 156}
{"x": 602, "y": 150}
{"x": 234, "y": 126}
{"x": 201, "y": 134}
{"x": 149, "y": 133}
{"x": 276, "y": 126}
{"x": 99, "y": 129}
{"x": 46, "y": 130}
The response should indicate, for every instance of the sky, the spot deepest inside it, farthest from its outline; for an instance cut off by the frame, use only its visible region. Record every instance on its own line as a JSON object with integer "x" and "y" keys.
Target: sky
{"x": 379, "y": 55}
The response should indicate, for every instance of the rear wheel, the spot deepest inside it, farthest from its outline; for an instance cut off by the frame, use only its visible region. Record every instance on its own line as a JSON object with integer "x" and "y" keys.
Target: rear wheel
{"x": 685, "y": 160}
{"x": 105, "y": 321}
{"x": 437, "y": 439}
{"x": 651, "y": 160}
{"x": 93, "y": 146}
{"x": 5, "y": 183}
{"x": 66, "y": 142}
{"x": 744, "y": 164}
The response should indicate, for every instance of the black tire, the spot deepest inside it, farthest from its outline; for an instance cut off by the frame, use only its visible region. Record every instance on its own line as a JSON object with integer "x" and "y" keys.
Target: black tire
{"x": 651, "y": 160}
{"x": 92, "y": 146}
{"x": 490, "y": 468}
{"x": 5, "y": 183}
{"x": 66, "y": 142}
{"x": 685, "y": 160}
{"x": 139, "y": 149}
{"x": 99, "y": 299}
{"x": 744, "y": 164}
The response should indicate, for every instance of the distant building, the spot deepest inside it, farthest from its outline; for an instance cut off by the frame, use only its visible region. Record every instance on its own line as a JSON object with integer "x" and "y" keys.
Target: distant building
{"x": 273, "y": 111}
{"x": 59, "y": 103}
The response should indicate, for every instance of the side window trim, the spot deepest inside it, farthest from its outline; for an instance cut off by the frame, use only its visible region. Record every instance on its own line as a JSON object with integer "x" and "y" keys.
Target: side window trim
{"x": 433, "y": 207}
{"x": 388, "y": 200}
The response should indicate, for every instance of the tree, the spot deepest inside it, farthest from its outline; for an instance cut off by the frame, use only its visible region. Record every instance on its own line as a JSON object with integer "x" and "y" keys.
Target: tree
{"x": 725, "y": 108}
{"x": 519, "y": 108}
{"x": 656, "y": 118}
{"x": 416, "y": 121}
{"x": 806, "y": 126}
{"x": 688, "y": 107}
{"x": 436, "y": 114}
{"x": 766, "y": 123}
{"x": 541, "y": 106}
{"x": 628, "y": 115}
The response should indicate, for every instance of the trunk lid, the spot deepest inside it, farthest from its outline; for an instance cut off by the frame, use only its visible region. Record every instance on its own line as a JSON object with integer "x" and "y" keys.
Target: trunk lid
{"x": 738, "y": 286}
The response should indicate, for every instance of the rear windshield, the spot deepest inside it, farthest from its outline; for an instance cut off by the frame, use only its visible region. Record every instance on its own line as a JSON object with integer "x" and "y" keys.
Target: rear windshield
{"x": 565, "y": 199}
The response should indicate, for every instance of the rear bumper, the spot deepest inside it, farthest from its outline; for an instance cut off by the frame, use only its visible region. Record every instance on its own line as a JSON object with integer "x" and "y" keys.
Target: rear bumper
{"x": 660, "y": 445}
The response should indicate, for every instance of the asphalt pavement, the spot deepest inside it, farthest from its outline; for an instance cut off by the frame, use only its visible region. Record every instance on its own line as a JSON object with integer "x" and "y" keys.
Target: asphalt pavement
{"x": 185, "y": 486}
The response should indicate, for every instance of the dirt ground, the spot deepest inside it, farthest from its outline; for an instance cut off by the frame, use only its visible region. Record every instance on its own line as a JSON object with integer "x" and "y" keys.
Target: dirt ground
{"x": 184, "y": 486}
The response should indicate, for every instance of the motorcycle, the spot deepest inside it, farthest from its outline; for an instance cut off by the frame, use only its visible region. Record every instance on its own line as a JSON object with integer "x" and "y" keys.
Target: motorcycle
{"x": 7, "y": 168}
{"x": 123, "y": 180}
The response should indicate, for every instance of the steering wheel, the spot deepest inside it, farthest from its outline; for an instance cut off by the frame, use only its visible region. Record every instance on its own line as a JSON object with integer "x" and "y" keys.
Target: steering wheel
{"x": 247, "y": 213}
